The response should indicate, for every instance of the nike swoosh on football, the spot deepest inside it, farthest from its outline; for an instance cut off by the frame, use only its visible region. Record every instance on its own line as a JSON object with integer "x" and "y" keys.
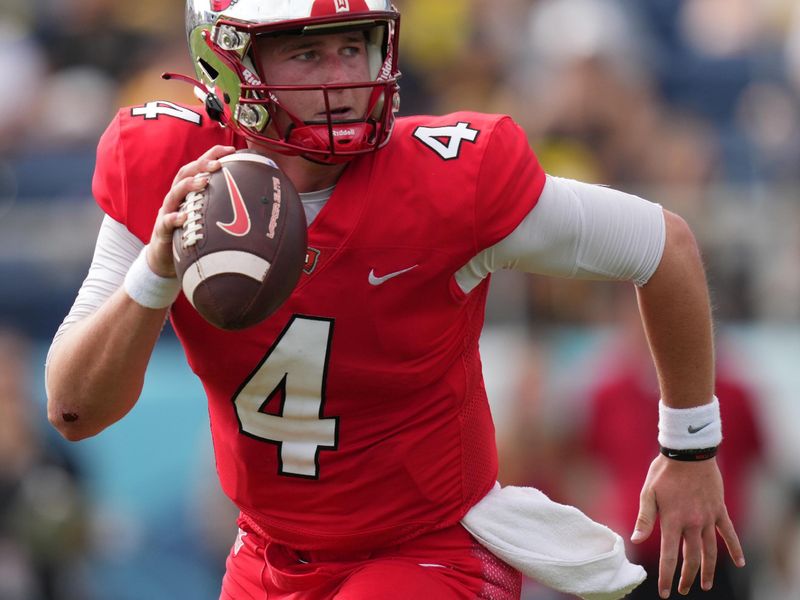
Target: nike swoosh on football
{"x": 692, "y": 429}
{"x": 240, "y": 225}
{"x": 375, "y": 280}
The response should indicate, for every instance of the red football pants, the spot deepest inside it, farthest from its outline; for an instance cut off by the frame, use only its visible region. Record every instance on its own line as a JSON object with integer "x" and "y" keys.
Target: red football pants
{"x": 442, "y": 565}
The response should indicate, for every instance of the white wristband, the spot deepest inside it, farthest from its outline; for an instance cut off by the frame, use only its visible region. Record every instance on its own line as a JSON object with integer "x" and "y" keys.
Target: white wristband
{"x": 689, "y": 428}
{"x": 147, "y": 288}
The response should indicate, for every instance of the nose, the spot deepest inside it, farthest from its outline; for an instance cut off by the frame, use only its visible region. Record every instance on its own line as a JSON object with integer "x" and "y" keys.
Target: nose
{"x": 336, "y": 69}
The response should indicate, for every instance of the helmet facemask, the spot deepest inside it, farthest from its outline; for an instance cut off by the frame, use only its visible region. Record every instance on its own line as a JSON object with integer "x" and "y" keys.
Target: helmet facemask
{"x": 236, "y": 92}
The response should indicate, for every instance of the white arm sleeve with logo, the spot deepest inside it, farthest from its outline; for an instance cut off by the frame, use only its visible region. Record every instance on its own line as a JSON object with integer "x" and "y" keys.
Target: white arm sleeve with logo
{"x": 578, "y": 230}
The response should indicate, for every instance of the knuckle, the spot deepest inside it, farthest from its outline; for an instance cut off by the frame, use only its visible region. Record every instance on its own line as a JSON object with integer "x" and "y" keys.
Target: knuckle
{"x": 214, "y": 151}
{"x": 669, "y": 562}
{"x": 691, "y": 564}
{"x": 183, "y": 171}
{"x": 694, "y": 520}
{"x": 643, "y": 522}
{"x": 180, "y": 189}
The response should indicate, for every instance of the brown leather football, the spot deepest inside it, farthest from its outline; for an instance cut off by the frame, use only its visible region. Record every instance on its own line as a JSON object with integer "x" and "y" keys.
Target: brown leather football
{"x": 243, "y": 247}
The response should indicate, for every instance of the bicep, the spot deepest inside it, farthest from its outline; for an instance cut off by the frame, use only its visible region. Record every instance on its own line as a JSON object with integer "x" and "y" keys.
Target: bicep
{"x": 115, "y": 250}
{"x": 578, "y": 230}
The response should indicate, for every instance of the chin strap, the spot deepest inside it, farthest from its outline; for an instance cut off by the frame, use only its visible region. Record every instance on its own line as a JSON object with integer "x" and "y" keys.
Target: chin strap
{"x": 340, "y": 137}
{"x": 214, "y": 106}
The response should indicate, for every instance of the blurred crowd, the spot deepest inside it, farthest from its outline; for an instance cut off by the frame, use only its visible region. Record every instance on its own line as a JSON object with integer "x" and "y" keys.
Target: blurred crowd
{"x": 694, "y": 104}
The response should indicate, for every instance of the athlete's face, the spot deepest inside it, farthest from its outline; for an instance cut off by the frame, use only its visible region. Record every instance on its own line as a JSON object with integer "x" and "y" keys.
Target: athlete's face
{"x": 314, "y": 60}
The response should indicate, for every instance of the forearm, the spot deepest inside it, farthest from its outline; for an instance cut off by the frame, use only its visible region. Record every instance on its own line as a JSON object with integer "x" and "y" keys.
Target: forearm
{"x": 676, "y": 314}
{"x": 97, "y": 363}
{"x": 96, "y": 369}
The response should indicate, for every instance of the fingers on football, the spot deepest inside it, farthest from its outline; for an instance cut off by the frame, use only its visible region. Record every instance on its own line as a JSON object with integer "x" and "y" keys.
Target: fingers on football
{"x": 165, "y": 224}
{"x": 179, "y": 191}
{"x": 728, "y": 533}
{"x": 208, "y": 162}
{"x": 670, "y": 540}
{"x": 692, "y": 549}
{"x": 170, "y": 223}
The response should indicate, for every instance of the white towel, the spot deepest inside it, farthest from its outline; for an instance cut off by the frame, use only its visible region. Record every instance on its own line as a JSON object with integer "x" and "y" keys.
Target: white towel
{"x": 555, "y": 544}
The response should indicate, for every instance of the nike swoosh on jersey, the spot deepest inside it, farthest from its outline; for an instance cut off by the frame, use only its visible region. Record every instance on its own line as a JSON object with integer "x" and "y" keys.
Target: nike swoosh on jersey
{"x": 375, "y": 280}
{"x": 692, "y": 429}
{"x": 240, "y": 225}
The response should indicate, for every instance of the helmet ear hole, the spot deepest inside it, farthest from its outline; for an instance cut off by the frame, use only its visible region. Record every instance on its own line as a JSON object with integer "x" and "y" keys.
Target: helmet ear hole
{"x": 210, "y": 72}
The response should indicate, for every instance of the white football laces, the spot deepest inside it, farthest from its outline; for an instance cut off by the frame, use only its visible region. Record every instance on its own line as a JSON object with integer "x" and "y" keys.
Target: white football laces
{"x": 193, "y": 207}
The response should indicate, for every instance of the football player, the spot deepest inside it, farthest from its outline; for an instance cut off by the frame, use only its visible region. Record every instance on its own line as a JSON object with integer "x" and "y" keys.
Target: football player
{"x": 351, "y": 428}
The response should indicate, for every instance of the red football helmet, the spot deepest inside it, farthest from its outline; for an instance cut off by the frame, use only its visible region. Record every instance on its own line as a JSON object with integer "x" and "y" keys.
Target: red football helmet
{"x": 223, "y": 36}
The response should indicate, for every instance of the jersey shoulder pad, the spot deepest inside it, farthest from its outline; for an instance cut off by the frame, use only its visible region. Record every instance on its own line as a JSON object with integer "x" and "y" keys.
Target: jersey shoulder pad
{"x": 460, "y": 135}
{"x": 479, "y": 120}
{"x": 141, "y": 151}
{"x": 161, "y": 131}
{"x": 482, "y": 158}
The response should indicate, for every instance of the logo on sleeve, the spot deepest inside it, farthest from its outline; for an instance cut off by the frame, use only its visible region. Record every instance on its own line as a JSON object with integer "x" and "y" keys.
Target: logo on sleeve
{"x": 446, "y": 141}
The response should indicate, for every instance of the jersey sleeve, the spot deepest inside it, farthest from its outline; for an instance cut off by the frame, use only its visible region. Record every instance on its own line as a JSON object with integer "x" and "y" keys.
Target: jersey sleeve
{"x": 108, "y": 183}
{"x": 139, "y": 154}
{"x": 510, "y": 182}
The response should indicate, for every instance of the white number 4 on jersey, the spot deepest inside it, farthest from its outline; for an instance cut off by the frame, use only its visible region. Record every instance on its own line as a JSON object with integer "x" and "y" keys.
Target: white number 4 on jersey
{"x": 454, "y": 135}
{"x": 293, "y": 371}
{"x": 152, "y": 110}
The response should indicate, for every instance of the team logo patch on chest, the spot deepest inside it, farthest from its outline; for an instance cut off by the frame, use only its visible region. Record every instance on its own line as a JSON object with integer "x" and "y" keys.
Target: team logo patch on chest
{"x": 312, "y": 258}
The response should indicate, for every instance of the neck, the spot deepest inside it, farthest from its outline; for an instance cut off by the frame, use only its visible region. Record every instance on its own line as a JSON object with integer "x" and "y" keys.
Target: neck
{"x": 306, "y": 176}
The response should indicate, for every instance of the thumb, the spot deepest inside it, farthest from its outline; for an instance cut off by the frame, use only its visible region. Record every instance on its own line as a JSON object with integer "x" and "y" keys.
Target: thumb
{"x": 646, "y": 519}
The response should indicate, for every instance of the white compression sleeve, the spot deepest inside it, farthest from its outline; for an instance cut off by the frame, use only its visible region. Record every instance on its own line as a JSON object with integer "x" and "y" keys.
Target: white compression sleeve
{"x": 114, "y": 252}
{"x": 578, "y": 230}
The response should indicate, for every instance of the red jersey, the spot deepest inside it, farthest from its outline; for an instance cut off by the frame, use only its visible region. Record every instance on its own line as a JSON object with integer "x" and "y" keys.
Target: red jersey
{"x": 356, "y": 415}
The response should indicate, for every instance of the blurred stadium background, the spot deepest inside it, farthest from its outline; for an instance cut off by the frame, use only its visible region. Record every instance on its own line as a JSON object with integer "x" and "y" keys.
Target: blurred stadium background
{"x": 694, "y": 104}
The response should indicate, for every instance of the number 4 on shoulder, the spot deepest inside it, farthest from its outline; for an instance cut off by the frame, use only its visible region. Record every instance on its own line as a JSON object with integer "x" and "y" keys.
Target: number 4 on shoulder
{"x": 446, "y": 141}
{"x": 152, "y": 110}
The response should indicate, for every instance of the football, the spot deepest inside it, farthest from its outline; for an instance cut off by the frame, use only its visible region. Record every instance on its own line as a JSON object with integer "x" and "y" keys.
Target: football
{"x": 242, "y": 248}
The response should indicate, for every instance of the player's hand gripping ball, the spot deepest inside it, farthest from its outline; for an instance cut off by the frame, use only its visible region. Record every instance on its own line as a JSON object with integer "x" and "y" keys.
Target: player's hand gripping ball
{"x": 242, "y": 248}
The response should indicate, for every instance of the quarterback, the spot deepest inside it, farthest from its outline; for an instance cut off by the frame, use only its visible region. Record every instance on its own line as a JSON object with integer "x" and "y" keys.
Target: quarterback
{"x": 351, "y": 427}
